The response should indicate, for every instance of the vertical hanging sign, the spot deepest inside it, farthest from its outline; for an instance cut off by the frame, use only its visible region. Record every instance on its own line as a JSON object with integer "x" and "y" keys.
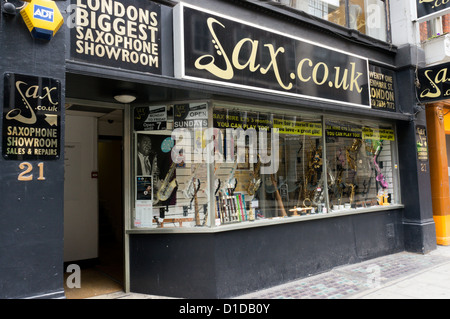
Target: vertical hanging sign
{"x": 422, "y": 146}
{"x": 428, "y": 7}
{"x": 434, "y": 83}
{"x": 31, "y": 118}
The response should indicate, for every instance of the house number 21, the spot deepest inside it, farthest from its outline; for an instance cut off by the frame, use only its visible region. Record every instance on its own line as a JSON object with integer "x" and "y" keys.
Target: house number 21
{"x": 26, "y": 172}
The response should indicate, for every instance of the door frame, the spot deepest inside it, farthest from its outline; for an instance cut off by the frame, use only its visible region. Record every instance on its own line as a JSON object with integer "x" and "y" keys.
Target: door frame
{"x": 126, "y": 169}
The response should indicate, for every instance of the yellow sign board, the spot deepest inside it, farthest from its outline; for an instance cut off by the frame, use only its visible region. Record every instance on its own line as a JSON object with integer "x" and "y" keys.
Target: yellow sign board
{"x": 285, "y": 126}
{"x": 42, "y": 18}
{"x": 378, "y": 134}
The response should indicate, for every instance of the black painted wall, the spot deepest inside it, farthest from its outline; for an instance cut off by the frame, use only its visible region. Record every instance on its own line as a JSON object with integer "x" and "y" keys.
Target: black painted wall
{"x": 31, "y": 213}
{"x": 227, "y": 264}
{"x": 419, "y": 227}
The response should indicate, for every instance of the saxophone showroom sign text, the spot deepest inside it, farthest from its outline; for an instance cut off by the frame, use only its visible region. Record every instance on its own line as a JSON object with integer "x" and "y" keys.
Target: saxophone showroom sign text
{"x": 31, "y": 117}
{"x": 120, "y": 34}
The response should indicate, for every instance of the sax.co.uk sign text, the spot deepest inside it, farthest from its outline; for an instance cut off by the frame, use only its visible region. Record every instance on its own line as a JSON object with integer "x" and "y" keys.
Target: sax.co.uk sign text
{"x": 434, "y": 83}
{"x": 31, "y": 117}
{"x": 235, "y": 53}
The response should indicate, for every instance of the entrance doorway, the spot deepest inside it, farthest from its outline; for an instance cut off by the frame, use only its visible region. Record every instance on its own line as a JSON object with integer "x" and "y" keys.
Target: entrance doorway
{"x": 93, "y": 200}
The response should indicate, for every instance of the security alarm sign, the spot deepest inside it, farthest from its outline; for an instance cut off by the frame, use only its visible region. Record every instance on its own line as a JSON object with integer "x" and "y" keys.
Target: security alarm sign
{"x": 31, "y": 118}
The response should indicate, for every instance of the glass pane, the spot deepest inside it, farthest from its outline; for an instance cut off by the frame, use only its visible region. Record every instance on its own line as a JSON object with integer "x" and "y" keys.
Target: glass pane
{"x": 271, "y": 168}
{"x": 331, "y": 10}
{"x": 170, "y": 181}
{"x": 297, "y": 188}
{"x": 237, "y": 163}
{"x": 368, "y": 17}
{"x": 359, "y": 161}
{"x": 434, "y": 27}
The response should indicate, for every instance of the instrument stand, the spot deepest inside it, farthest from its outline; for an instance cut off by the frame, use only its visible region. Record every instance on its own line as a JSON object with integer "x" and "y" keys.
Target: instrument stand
{"x": 162, "y": 211}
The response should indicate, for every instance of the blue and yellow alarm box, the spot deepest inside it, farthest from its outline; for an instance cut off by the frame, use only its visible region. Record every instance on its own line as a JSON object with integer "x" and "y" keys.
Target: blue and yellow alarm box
{"x": 42, "y": 18}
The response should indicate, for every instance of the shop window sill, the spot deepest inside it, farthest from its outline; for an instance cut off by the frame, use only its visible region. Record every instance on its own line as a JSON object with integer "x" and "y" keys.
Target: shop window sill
{"x": 263, "y": 222}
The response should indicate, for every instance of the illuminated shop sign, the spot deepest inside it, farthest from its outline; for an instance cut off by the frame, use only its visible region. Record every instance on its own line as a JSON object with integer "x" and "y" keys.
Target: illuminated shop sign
{"x": 214, "y": 48}
{"x": 428, "y": 7}
{"x": 434, "y": 83}
{"x": 31, "y": 118}
{"x": 121, "y": 34}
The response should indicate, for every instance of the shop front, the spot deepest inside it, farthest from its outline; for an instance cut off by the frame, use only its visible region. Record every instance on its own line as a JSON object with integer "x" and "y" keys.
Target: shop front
{"x": 250, "y": 154}
{"x": 288, "y": 166}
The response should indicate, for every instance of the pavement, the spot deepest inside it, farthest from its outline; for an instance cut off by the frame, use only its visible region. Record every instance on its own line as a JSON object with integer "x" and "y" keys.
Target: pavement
{"x": 398, "y": 276}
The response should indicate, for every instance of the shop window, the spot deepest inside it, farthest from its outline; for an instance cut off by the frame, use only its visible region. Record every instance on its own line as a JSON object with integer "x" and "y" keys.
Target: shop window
{"x": 359, "y": 164}
{"x": 204, "y": 165}
{"x": 435, "y": 27}
{"x": 277, "y": 166}
{"x": 366, "y": 16}
{"x": 169, "y": 190}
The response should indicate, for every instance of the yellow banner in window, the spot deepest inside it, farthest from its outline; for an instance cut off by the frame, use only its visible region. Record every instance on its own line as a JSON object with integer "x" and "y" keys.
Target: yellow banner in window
{"x": 369, "y": 133}
{"x": 297, "y": 128}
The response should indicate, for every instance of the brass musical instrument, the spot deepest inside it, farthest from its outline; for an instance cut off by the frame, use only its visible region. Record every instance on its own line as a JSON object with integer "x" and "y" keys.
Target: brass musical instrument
{"x": 155, "y": 173}
{"x": 168, "y": 185}
{"x": 311, "y": 180}
{"x": 352, "y": 193}
{"x": 278, "y": 196}
{"x": 353, "y": 150}
{"x": 197, "y": 214}
{"x": 255, "y": 182}
{"x": 189, "y": 189}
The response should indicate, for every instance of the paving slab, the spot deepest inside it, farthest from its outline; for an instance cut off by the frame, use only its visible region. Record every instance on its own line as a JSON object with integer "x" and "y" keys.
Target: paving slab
{"x": 398, "y": 276}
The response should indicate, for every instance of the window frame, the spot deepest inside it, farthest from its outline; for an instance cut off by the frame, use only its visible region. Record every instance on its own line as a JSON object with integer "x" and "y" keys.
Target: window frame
{"x": 283, "y": 3}
{"x": 212, "y": 227}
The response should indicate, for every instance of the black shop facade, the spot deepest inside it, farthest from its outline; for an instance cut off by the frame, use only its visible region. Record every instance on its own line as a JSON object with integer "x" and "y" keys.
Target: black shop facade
{"x": 216, "y": 157}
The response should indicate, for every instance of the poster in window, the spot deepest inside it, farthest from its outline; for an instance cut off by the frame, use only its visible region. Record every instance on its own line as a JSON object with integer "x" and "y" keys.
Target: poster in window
{"x": 144, "y": 190}
{"x": 151, "y": 118}
{"x": 154, "y": 159}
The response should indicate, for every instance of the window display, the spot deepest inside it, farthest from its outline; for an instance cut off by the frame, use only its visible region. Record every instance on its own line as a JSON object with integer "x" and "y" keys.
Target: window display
{"x": 359, "y": 158}
{"x": 297, "y": 186}
{"x": 213, "y": 165}
{"x": 178, "y": 186}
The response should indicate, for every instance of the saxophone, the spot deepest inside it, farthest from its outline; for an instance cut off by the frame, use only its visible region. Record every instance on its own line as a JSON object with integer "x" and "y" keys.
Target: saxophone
{"x": 155, "y": 172}
{"x": 255, "y": 183}
{"x": 196, "y": 210}
{"x": 353, "y": 150}
{"x": 189, "y": 188}
{"x": 168, "y": 185}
